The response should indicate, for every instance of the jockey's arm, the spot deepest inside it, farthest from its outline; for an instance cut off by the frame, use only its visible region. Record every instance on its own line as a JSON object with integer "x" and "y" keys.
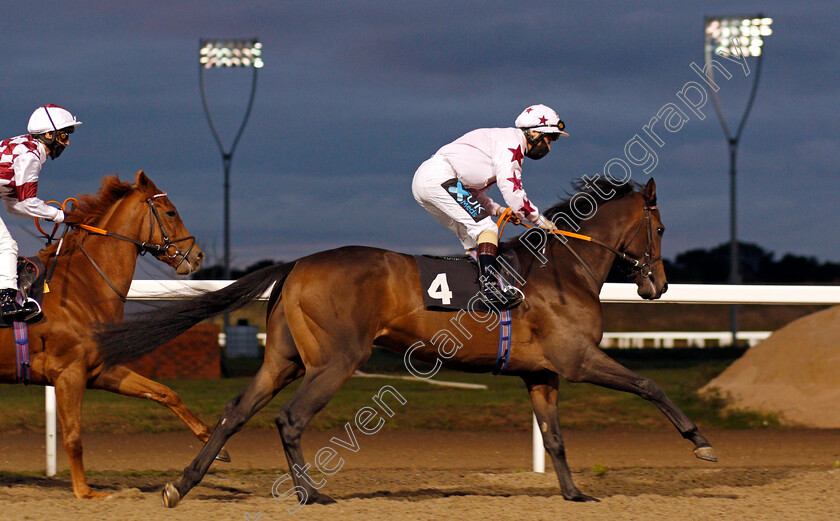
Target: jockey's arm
{"x": 511, "y": 187}
{"x": 24, "y": 202}
{"x": 508, "y": 172}
{"x": 33, "y": 207}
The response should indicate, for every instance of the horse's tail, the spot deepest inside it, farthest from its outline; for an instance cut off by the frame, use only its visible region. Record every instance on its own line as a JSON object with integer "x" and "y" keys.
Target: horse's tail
{"x": 121, "y": 342}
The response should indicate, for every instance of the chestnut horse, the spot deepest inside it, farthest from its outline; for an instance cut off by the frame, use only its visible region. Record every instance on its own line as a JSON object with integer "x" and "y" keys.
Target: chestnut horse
{"x": 327, "y": 310}
{"x": 92, "y": 274}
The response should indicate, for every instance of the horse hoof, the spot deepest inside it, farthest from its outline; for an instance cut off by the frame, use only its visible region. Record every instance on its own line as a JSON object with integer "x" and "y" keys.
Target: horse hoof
{"x": 223, "y": 456}
{"x": 170, "y": 496}
{"x": 320, "y": 499}
{"x": 580, "y": 497}
{"x": 706, "y": 453}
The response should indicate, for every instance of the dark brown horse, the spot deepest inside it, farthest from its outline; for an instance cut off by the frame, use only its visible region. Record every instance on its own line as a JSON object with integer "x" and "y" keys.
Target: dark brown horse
{"x": 327, "y": 310}
{"x": 63, "y": 351}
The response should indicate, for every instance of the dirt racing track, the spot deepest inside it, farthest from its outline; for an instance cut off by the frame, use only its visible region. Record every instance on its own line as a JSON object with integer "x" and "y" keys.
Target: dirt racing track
{"x": 434, "y": 475}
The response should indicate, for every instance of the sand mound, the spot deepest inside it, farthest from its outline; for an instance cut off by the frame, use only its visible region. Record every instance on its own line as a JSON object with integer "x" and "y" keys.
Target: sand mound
{"x": 795, "y": 373}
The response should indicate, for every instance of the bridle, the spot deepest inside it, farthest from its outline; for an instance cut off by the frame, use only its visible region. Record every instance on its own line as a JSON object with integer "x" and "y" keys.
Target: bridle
{"x": 644, "y": 264}
{"x": 641, "y": 264}
{"x": 168, "y": 248}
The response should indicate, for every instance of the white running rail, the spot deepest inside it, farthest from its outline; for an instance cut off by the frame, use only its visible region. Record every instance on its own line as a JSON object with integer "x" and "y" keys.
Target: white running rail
{"x": 670, "y": 339}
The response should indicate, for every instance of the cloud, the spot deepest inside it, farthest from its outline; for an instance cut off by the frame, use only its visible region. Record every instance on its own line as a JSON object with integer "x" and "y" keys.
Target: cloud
{"x": 355, "y": 95}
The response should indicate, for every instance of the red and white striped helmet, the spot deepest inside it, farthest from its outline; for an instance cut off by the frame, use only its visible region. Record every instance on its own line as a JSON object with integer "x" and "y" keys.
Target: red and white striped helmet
{"x": 50, "y": 118}
{"x": 542, "y": 119}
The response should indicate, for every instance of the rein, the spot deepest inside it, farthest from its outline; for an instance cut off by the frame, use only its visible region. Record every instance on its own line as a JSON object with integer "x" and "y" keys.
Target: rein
{"x": 643, "y": 264}
{"x": 168, "y": 248}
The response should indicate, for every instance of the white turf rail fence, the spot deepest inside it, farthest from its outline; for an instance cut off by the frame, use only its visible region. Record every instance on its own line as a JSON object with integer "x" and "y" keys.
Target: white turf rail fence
{"x": 610, "y": 293}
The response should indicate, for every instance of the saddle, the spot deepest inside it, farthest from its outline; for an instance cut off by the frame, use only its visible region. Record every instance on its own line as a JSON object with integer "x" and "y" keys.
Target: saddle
{"x": 31, "y": 275}
{"x": 451, "y": 283}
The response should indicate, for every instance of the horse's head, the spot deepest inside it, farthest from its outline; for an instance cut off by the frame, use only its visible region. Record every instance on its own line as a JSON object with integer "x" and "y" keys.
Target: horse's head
{"x": 163, "y": 231}
{"x": 643, "y": 247}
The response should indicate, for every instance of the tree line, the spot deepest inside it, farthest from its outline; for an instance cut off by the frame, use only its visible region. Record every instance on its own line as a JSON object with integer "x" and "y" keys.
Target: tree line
{"x": 757, "y": 266}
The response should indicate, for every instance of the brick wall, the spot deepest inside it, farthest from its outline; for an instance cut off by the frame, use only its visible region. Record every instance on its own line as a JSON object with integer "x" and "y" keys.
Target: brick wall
{"x": 194, "y": 354}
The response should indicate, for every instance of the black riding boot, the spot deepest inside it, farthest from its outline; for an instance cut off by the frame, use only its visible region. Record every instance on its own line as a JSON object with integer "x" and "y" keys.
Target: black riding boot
{"x": 490, "y": 289}
{"x": 9, "y": 308}
{"x": 11, "y": 311}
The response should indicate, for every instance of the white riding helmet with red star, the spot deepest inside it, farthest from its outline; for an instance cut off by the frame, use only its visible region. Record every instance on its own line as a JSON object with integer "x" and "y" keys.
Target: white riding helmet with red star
{"x": 542, "y": 119}
{"x": 50, "y": 118}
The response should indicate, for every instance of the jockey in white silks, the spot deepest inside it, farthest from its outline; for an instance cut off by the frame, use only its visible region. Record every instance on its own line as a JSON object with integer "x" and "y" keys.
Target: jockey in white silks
{"x": 452, "y": 186}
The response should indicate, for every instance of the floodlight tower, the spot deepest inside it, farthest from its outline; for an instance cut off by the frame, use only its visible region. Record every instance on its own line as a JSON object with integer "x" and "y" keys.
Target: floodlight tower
{"x": 229, "y": 53}
{"x": 735, "y": 36}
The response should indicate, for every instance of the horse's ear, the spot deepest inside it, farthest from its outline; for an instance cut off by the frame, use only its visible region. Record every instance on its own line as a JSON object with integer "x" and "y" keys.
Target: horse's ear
{"x": 142, "y": 181}
{"x": 650, "y": 192}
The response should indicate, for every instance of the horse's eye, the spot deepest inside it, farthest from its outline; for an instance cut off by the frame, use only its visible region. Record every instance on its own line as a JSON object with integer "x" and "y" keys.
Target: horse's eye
{"x": 171, "y": 213}
{"x": 660, "y": 231}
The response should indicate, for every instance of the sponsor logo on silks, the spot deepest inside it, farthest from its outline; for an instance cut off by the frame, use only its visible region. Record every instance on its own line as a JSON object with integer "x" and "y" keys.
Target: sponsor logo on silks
{"x": 459, "y": 192}
{"x": 464, "y": 199}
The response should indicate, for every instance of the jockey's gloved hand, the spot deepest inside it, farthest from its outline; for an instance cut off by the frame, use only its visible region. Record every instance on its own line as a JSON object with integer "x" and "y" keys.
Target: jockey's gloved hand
{"x": 59, "y": 217}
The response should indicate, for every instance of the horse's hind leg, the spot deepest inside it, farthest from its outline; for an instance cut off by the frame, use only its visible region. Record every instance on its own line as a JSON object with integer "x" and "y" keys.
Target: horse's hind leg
{"x": 332, "y": 353}
{"x": 122, "y": 380}
{"x": 543, "y": 390}
{"x": 600, "y": 369}
{"x": 281, "y": 366}
{"x": 315, "y": 391}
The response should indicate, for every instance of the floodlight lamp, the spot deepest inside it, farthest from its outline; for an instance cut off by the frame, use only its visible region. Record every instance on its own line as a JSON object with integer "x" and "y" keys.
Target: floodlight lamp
{"x": 748, "y": 30}
{"x": 230, "y": 53}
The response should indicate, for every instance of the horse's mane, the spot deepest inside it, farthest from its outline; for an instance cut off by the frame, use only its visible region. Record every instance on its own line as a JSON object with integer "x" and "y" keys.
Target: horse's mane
{"x": 602, "y": 190}
{"x": 92, "y": 206}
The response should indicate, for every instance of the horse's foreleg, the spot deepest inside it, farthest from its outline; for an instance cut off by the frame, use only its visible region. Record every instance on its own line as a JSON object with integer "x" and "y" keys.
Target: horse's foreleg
{"x": 266, "y": 384}
{"x": 600, "y": 369}
{"x": 69, "y": 389}
{"x": 543, "y": 390}
{"x": 122, "y": 380}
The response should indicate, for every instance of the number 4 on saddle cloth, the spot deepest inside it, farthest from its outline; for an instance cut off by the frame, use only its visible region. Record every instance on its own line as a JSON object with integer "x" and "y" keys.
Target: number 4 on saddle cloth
{"x": 451, "y": 284}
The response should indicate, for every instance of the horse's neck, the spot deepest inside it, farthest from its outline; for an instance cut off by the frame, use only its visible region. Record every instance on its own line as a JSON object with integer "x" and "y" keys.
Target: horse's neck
{"x": 98, "y": 260}
{"x": 116, "y": 257}
{"x": 610, "y": 227}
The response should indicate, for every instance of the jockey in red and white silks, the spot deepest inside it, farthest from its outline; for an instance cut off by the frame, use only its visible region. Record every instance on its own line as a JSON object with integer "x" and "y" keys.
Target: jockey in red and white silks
{"x": 478, "y": 159}
{"x": 21, "y": 159}
{"x": 452, "y": 184}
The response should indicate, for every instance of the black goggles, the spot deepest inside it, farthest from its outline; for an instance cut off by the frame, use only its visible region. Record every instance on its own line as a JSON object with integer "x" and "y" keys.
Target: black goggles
{"x": 64, "y": 134}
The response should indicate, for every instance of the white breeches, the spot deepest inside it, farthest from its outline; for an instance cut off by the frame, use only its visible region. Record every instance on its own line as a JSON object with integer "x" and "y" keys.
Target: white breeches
{"x": 429, "y": 193}
{"x": 8, "y": 258}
